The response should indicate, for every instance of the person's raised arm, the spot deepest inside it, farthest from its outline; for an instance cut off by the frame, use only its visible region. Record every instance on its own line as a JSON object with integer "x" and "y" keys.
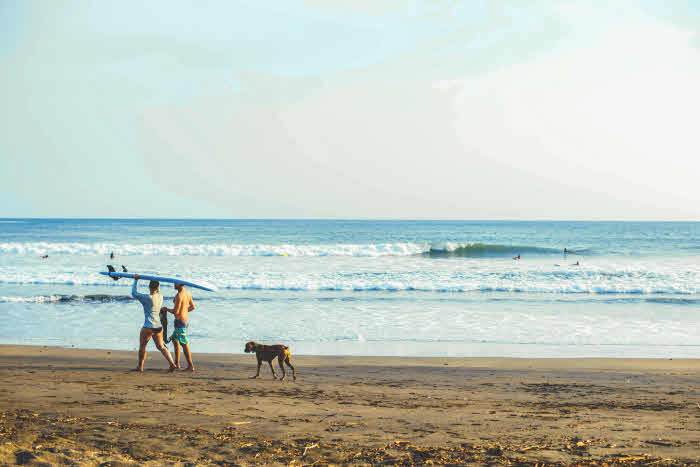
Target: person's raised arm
{"x": 134, "y": 293}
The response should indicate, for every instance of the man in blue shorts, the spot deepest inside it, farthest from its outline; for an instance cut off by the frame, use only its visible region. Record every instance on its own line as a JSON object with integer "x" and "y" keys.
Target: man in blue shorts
{"x": 183, "y": 304}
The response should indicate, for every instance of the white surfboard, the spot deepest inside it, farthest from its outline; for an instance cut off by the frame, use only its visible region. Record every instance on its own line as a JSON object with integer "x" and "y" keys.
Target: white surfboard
{"x": 172, "y": 280}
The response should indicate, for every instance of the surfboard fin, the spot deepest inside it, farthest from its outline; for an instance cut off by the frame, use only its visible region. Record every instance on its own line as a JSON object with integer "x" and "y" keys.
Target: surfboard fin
{"x": 124, "y": 269}
{"x": 110, "y": 268}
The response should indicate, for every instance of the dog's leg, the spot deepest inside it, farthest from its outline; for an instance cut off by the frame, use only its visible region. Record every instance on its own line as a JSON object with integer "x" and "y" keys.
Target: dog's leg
{"x": 289, "y": 364}
{"x": 259, "y": 364}
{"x": 280, "y": 361}
{"x": 274, "y": 375}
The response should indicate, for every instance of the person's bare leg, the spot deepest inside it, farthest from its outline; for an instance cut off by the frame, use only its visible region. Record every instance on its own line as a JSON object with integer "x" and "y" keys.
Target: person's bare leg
{"x": 158, "y": 341}
{"x": 188, "y": 356}
{"x": 144, "y": 337}
{"x": 176, "y": 348}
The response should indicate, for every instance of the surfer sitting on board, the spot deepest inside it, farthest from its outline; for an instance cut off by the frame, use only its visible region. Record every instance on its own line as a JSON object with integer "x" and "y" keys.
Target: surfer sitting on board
{"x": 152, "y": 326}
{"x": 183, "y": 304}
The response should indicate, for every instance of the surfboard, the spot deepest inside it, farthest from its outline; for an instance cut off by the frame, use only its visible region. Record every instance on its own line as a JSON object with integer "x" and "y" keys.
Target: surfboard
{"x": 172, "y": 280}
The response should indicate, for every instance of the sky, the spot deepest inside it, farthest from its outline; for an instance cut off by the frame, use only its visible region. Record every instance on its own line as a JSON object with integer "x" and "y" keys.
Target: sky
{"x": 560, "y": 110}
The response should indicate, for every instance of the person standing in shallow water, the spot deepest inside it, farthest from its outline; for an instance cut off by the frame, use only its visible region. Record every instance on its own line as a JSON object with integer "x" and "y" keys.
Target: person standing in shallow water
{"x": 152, "y": 326}
{"x": 183, "y": 304}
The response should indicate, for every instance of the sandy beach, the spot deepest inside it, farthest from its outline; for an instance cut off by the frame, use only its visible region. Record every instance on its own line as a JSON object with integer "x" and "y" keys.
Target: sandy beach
{"x": 84, "y": 406}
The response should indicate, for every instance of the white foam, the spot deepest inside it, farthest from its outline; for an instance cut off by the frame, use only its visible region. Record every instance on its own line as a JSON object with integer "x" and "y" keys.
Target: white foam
{"x": 38, "y": 299}
{"x": 152, "y": 249}
{"x": 680, "y": 284}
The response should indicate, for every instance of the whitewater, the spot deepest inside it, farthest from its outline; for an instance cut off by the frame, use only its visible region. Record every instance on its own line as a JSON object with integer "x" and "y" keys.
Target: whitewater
{"x": 365, "y": 287}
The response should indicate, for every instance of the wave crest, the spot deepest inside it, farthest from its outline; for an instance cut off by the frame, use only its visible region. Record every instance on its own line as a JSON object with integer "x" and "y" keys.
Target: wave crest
{"x": 434, "y": 250}
{"x": 96, "y": 298}
{"x": 369, "y": 250}
{"x": 471, "y": 250}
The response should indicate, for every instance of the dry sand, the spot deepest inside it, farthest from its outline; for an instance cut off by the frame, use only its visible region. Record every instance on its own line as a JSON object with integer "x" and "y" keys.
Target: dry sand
{"x": 63, "y": 406}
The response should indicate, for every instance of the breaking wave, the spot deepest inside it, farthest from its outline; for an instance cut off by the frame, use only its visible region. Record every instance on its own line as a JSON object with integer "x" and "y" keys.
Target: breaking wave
{"x": 433, "y": 250}
{"x": 97, "y": 298}
{"x": 75, "y": 299}
{"x": 438, "y": 285}
{"x": 471, "y": 250}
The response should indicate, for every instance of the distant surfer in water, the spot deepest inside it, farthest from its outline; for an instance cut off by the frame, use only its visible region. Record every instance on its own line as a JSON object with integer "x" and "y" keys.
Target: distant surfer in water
{"x": 45, "y": 257}
{"x": 111, "y": 255}
{"x": 152, "y": 326}
{"x": 516, "y": 257}
{"x": 183, "y": 304}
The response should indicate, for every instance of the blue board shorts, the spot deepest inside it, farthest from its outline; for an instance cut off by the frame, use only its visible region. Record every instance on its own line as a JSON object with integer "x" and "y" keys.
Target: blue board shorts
{"x": 180, "y": 335}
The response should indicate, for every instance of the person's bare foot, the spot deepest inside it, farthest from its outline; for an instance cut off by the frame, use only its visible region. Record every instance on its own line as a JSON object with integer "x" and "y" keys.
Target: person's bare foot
{"x": 137, "y": 370}
{"x": 172, "y": 368}
{"x": 189, "y": 368}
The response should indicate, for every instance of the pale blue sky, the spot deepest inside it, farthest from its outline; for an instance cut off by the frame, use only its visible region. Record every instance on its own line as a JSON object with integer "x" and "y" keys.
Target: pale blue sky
{"x": 380, "y": 109}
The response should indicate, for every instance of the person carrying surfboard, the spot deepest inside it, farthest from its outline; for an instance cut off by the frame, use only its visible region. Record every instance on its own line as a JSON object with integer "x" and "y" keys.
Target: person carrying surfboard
{"x": 183, "y": 304}
{"x": 152, "y": 326}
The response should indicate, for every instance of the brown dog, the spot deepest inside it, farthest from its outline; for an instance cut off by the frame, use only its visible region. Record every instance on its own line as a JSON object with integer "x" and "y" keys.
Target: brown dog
{"x": 267, "y": 353}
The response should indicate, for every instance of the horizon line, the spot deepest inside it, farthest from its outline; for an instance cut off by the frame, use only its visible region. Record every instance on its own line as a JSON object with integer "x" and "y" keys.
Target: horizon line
{"x": 378, "y": 219}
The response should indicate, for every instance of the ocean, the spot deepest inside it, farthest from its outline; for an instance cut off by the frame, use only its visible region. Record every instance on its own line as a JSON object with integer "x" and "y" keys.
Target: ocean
{"x": 356, "y": 287}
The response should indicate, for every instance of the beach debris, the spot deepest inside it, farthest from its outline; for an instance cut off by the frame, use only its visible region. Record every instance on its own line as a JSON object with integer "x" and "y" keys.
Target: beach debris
{"x": 529, "y": 448}
{"x": 577, "y": 446}
{"x": 67, "y": 435}
{"x": 227, "y": 434}
{"x": 659, "y": 443}
{"x": 24, "y": 457}
{"x": 315, "y": 445}
{"x": 624, "y": 458}
{"x": 495, "y": 450}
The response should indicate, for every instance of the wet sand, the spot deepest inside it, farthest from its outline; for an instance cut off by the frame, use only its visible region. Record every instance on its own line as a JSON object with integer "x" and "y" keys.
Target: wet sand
{"x": 84, "y": 406}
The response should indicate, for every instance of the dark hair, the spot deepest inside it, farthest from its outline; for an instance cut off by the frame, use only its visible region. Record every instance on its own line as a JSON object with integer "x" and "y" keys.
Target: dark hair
{"x": 154, "y": 285}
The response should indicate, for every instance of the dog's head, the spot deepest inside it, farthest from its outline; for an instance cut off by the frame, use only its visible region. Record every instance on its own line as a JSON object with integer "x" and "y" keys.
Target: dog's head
{"x": 249, "y": 347}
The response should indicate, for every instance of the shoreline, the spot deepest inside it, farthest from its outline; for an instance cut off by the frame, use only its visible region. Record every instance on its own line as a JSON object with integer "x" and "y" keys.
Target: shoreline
{"x": 77, "y": 405}
{"x": 427, "y": 360}
{"x": 424, "y": 350}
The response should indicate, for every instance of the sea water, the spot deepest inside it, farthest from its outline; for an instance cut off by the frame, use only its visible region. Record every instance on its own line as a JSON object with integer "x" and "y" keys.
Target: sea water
{"x": 430, "y": 288}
